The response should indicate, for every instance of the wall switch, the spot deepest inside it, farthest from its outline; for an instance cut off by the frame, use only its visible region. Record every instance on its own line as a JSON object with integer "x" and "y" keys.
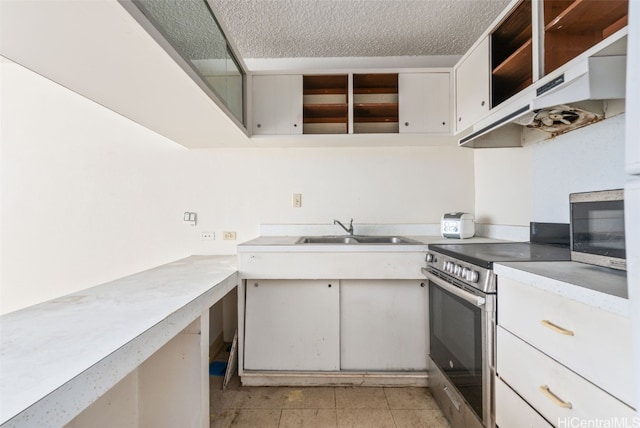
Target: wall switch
{"x": 297, "y": 200}
{"x": 190, "y": 218}
{"x": 208, "y": 236}
{"x": 229, "y": 236}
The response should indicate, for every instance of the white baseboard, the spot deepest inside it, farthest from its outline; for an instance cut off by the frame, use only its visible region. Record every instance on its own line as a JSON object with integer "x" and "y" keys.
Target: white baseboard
{"x": 418, "y": 379}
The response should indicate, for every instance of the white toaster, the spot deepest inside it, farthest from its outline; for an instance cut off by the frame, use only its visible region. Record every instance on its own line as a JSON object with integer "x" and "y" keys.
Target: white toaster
{"x": 457, "y": 225}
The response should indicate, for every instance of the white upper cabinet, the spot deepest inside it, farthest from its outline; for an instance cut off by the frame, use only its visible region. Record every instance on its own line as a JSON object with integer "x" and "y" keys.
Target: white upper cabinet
{"x": 472, "y": 86}
{"x": 277, "y": 105}
{"x": 424, "y": 105}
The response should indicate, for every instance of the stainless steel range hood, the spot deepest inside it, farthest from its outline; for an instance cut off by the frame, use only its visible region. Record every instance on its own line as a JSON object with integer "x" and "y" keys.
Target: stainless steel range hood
{"x": 554, "y": 105}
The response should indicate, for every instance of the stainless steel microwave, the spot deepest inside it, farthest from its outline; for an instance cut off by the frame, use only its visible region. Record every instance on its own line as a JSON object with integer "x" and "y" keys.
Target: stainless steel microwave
{"x": 597, "y": 228}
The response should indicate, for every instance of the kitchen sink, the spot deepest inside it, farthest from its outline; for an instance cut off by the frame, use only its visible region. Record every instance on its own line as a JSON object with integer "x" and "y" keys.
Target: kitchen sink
{"x": 357, "y": 240}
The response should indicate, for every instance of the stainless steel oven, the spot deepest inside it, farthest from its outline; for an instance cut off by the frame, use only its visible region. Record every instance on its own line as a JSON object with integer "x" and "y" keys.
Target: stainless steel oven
{"x": 461, "y": 334}
{"x": 462, "y": 322}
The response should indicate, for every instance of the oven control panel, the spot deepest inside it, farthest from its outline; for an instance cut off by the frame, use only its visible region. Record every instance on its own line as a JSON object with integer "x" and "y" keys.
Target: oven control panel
{"x": 475, "y": 276}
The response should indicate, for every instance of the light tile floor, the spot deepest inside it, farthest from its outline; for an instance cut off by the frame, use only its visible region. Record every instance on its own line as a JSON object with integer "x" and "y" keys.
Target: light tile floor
{"x": 312, "y": 407}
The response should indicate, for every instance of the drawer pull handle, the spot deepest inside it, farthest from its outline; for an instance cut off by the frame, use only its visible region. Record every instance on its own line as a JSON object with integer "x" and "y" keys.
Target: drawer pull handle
{"x": 556, "y": 328}
{"x": 553, "y": 397}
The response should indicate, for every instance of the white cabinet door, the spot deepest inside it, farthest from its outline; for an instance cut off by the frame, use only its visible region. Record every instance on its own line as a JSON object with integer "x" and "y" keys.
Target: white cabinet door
{"x": 472, "y": 86}
{"x": 292, "y": 325}
{"x": 437, "y": 105}
{"x": 384, "y": 325}
{"x": 423, "y": 103}
{"x": 411, "y": 103}
{"x": 277, "y": 105}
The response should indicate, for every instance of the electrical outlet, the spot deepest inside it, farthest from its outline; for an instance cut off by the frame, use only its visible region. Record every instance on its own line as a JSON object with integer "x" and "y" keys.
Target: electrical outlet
{"x": 229, "y": 236}
{"x": 208, "y": 236}
{"x": 297, "y": 200}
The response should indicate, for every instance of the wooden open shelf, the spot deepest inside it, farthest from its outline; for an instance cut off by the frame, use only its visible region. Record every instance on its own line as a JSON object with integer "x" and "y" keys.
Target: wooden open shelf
{"x": 375, "y": 102}
{"x": 325, "y": 113}
{"x": 587, "y": 15}
{"x": 375, "y": 83}
{"x": 573, "y": 26}
{"x": 325, "y": 84}
{"x": 512, "y": 54}
{"x": 370, "y": 112}
{"x": 510, "y": 77}
{"x": 326, "y": 108}
{"x": 512, "y": 34}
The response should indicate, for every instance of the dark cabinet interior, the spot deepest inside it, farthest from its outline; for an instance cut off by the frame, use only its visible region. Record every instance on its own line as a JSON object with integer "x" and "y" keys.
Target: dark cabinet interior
{"x": 375, "y": 103}
{"x": 325, "y": 104}
{"x": 512, "y": 54}
{"x": 570, "y": 28}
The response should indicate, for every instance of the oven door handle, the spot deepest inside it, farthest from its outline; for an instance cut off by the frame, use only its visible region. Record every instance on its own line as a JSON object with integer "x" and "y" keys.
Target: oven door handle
{"x": 464, "y": 295}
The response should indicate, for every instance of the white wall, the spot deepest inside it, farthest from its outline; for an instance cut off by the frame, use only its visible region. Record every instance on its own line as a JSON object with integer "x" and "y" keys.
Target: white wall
{"x": 587, "y": 159}
{"x": 503, "y": 186}
{"x": 533, "y": 183}
{"x": 237, "y": 190}
{"x": 87, "y": 195}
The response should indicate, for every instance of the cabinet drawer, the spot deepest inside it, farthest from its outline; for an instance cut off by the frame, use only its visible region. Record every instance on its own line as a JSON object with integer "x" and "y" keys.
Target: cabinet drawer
{"x": 565, "y": 396}
{"x": 592, "y": 342}
{"x": 513, "y": 412}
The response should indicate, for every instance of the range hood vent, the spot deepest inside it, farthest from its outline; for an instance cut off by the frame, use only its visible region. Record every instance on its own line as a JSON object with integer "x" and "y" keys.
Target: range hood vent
{"x": 558, "y": 105}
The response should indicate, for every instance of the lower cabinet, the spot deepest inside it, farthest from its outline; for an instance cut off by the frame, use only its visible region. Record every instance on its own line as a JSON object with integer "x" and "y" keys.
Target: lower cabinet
{"x": 556, "y": 392}
{"x": 383, "y": 325}
{"x": 514, "y": 411}
{"x": 333, "y": 325}
{"x": 560, "y": 360}
{"x": 292, "y": 325}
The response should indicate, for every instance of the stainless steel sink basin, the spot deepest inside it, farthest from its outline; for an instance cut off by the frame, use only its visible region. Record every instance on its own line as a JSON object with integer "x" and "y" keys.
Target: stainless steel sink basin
{"x": 327, "y": 240}
{"x": 357, "y": 240}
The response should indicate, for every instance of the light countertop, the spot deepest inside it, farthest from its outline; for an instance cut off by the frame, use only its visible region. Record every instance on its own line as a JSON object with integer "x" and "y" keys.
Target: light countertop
{"x": 288, "y": 244}
{"x": 44, "y": 348}
{"x": 593, "y": 285}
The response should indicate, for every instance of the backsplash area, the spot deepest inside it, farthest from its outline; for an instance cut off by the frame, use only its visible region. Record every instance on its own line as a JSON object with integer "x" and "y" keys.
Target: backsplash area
{"x": 532, "y": 183}
{"x": 510, "y": 233}
{"x": 584, "y": 160}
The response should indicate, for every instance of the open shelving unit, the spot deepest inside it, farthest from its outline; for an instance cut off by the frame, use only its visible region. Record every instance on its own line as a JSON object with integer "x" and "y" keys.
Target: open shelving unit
{"x": 325, "y": 104}
{"x": 375, "y": 103}
{"x": 573, "y": 26}
{"x": 512, "y": 54}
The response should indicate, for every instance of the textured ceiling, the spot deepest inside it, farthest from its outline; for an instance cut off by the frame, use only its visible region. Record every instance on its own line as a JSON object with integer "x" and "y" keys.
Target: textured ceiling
{"x": 354, "y": 28}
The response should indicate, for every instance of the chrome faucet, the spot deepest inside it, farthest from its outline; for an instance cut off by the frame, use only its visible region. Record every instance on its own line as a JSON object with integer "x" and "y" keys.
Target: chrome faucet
{"x": 349, "y": 229}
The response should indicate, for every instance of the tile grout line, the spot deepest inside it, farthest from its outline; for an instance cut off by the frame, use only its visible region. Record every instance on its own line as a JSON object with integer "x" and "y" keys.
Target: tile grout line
{"x": 389, "y": 407}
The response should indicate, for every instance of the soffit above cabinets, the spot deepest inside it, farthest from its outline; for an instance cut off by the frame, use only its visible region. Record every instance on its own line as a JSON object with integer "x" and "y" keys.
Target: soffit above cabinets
{"x": 97, "y": 49}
